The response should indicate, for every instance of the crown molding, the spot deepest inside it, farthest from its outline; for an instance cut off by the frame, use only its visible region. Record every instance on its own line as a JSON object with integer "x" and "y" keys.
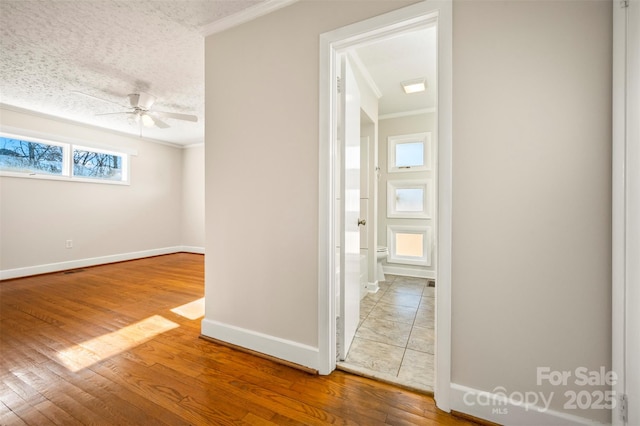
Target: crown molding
{"x": 406, "y": 113}
{"x": 357, "y": 62}
{"x": 244, "y": 16}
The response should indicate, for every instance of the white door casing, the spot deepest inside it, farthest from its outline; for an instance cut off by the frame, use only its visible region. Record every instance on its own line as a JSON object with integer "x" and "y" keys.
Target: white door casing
{"x": 349, "y": 135}
{"x": 626, "y": 212}
{"x": 419, "y": 15}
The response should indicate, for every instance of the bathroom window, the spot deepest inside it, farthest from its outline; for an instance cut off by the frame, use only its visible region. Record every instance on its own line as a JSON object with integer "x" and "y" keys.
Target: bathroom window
{"x": 409, "y": 245}
{"x": 409, "y": 199}
{"x": 409, "y": 153}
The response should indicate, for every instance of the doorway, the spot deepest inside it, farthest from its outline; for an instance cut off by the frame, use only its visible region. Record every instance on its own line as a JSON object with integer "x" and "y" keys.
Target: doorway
{"x": 332, "y": 45}
{"x": 393, "y": 337}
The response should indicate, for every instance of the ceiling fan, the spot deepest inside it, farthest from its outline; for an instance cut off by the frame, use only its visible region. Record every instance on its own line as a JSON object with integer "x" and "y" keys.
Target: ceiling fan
{"x": 141, "y": 110}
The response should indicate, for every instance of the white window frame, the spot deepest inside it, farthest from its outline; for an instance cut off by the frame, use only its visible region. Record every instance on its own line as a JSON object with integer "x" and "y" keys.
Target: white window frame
{"x": 427, "y": 234}
{"x": 393, "y": 141}
{"x": 424, "y": 184}
{"x": 125, "y": 164}
{"x": 65, "y": 157}
{"x": 67, "y": 160}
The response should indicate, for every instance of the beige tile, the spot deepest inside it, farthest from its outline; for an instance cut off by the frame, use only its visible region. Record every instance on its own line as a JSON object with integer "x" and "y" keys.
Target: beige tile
{"x": 384, "y": 285}
{"x": 383, "y": 331}
{"x": 390, "y": 278}
{"x": 401, "y": 299}
{"x": 375, "y": 356}
{"x": 409, "y": 288}
{"x": 421, "y": 339}
{"x": 429, "y": 292}
{"x": 417, "y": 369}
{"x": 424, "y": 318}
{"x": 410, "y": 280}
{"x": 427, "y": 303}
{"x": 385, "y": 311}
{"x": 367, "y": 304}
{"x": 377, "y": 295}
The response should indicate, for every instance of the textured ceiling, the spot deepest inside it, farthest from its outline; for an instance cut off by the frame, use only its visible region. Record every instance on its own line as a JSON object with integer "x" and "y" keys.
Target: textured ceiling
{"x": 50, "y": 50}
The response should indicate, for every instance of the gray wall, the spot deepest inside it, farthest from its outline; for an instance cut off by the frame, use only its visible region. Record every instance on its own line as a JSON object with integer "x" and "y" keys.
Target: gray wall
{"x": 192, "y": 218}
{"x": 37, "y": 216}
{"x": 269, "y": 215}
{"x": 532, "y": 191}
{"x": 531, "y": 161}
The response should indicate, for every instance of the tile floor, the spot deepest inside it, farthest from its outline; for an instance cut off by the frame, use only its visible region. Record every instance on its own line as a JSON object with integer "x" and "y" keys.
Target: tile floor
{"x": 395, "y": 338}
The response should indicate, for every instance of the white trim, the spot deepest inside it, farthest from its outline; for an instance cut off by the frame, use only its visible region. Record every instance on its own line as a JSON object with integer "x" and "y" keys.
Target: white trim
{"x": 244, "y": 16}
{"x": 406, "y": 113}
{"x": 192, "y": 249}
{"x": 42, "y": 176}
{"x": 626, "y": 209}
{"x": 401, "y": 20}
{"x": 373, "y": 287}
{"x": 193, "y": 145}
{"x": 497, "y": 408}
{"x": 266, "y": 344}
{"x": 427, "y": 150}
{"x": 426, "y": 185}
{"x": 444, "y": 197}
{"x": 408, "y": 272}
{"x": 93, "y": 261}
{"x": 427, "y": 244}
{"x": 618, "y": 196}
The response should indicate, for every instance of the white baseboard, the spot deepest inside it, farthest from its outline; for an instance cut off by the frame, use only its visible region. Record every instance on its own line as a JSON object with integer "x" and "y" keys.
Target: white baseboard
{"x": 499, "y": 409}
{"x": 92, "y": 261}
{"x": 286, "y": 350}
{"x": 192, "y": 249}
{"x": 373, "y": 287}
{"x": 408, "y": 272}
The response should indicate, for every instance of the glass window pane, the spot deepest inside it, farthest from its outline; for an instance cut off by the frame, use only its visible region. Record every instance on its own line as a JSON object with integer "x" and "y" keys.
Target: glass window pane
{"x": 18, "y": 155}
{"x": 97, "y": 165}
{"x": 410, "y": 154}
{"x": 409, "y": 200}
{"x": 409, "y": 245}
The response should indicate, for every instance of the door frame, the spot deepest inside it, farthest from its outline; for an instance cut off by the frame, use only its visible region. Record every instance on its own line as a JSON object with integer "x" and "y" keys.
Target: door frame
{"x": 331, "y": 43}
{"x": 625, "y": 277}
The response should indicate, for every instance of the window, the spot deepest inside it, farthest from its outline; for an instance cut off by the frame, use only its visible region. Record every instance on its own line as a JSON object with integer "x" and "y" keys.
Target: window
{"x": 409, "y": 153}
{"x": 39, "y": 158}
{"x": 409, "y": 199}
{"x": 97, "y": 164}
{"x": 19, "y": 155}
{"x": 409, "y": 245}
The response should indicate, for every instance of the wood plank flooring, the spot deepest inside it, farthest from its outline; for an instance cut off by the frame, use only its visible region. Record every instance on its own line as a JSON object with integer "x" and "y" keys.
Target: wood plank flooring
{"x": 105, "y": 346}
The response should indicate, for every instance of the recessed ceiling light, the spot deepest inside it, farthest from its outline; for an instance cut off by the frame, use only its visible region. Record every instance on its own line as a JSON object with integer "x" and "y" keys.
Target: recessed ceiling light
{"x": 414, "y": 86}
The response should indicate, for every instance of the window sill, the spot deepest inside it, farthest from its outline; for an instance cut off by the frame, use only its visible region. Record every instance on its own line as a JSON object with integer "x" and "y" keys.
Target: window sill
{"x": 62, "y": 178}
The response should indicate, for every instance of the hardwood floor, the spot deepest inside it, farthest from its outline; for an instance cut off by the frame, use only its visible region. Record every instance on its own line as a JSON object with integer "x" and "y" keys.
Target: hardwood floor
{"x": 119, "y": 345}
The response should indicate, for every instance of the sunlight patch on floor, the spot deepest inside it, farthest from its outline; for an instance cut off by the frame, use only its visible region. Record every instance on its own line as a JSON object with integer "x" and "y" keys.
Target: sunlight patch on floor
{"x": 192, "y": 310}
{"x": 102, "y": 347}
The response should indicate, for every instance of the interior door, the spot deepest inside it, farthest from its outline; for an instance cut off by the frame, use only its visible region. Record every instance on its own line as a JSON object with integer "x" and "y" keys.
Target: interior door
{"x": 349, "y": 136}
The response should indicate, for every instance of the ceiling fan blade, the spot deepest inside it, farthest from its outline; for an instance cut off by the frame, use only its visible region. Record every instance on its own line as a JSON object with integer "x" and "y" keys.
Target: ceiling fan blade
{"x": 158, "y": 123}
{"x": 177, "y": 116}
{"x": 100, "y": 99}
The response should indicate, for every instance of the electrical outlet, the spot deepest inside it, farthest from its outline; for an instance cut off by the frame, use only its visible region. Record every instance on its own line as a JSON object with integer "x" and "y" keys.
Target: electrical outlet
{"x": 69, "y": 244}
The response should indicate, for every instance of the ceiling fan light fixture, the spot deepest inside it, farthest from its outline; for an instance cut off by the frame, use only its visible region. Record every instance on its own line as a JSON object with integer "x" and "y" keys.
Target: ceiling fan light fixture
{"x": 414, "y": 86}
{"x": 147, "y": 120}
